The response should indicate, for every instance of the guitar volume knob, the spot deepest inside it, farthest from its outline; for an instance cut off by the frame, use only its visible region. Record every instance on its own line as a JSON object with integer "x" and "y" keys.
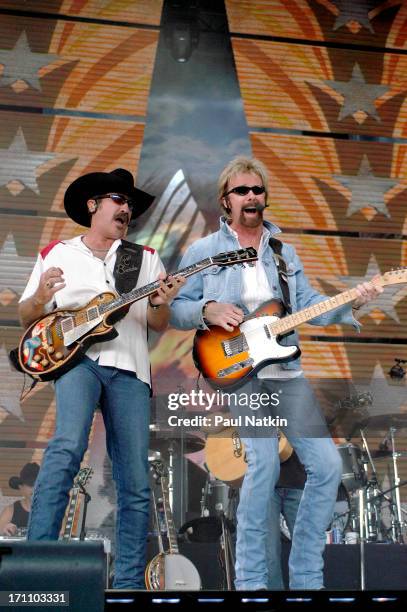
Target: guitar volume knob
{"x": 59, "y": 355}
{"x": 44, "y": 362}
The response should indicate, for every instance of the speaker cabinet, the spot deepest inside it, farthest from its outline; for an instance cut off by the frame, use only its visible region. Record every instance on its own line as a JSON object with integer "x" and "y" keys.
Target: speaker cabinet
{"x": 75, "y": 568}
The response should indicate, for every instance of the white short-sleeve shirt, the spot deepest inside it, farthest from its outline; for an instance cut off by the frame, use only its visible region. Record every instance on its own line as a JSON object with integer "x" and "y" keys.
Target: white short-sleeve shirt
{"x": 86, "y": 276}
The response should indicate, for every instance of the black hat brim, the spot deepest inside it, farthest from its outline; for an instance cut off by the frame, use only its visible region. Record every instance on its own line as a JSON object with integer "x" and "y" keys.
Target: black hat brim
{"x": 93, "y": 184}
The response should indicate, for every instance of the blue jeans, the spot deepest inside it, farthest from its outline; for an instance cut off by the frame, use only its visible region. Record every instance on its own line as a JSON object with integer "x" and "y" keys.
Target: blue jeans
{"x": 284, "y": 501}
{"x": 125, "y": 406}
{"x": 323, "y": 466}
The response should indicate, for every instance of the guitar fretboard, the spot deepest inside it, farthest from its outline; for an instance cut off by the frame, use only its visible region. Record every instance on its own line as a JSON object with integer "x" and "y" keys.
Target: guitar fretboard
{"x": 171, "y": 531}
{"x": 290, "y": 322}
{"x": 71, "y": 514}
{"x": 142, "y": 292}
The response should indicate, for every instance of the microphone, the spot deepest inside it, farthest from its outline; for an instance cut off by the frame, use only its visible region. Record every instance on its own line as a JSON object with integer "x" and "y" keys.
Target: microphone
{"x": 260, "y": 207}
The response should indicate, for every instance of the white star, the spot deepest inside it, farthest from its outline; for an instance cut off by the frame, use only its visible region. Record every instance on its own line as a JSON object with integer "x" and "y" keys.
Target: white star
{"x": 358, "y": 95}
{"x": 366, "y": 189}
{"x": 387, "y": 398}
{"x": 14, "y": 269}
{"x": 20, "y": 164}
{"x": 11, "y": 383}
{"x": 22, "y": 64}
{"x": 385, "y": 301}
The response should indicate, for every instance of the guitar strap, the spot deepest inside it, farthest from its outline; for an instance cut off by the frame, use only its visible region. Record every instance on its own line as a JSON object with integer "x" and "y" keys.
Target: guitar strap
{"x": 129, "y": 257}
{"x": 277, "y": 246}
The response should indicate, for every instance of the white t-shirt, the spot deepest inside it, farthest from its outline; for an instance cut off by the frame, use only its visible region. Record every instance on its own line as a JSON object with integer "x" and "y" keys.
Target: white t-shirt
{"x": 256, "y": 291}
{"x": 86, "y": 276}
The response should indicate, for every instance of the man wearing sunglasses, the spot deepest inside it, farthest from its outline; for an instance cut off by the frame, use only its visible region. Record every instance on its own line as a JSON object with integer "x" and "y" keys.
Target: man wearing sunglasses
{"x": 114, "y": 374}
{"x": 222, "y": 297}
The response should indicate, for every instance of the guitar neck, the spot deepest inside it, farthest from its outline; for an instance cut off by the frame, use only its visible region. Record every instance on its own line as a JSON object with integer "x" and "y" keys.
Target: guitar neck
{"x": 70, "y": 516}
{"x": 292, "y": 321}
{"x": 126, "y": 299}
{"x": 171, "y": 532}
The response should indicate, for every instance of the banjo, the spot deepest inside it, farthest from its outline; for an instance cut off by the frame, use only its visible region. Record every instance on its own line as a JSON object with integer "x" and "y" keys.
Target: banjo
{"x": 169, "y": 570}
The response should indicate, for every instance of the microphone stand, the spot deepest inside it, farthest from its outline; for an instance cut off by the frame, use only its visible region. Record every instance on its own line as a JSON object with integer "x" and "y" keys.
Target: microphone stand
{"x": 399, "y": 522}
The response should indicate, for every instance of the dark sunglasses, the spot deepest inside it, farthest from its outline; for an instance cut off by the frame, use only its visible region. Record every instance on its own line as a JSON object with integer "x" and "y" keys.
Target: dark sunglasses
{"x": 243, "y": 190}
{"x": 118, "y": 199}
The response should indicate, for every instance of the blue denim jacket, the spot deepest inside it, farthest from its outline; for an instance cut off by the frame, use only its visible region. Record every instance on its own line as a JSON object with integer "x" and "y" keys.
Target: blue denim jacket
{"x": 223, "y": 284}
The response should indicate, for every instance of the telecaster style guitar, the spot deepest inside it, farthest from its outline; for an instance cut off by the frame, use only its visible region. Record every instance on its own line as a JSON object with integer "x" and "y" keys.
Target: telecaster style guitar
{"x": 169, "y": 571}
{"x": 53, "y": 344}
{"x": 227, "y": 359}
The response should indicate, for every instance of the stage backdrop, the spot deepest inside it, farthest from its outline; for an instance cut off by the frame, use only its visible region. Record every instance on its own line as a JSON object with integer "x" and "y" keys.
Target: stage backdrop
{"x": 173, "y": 91}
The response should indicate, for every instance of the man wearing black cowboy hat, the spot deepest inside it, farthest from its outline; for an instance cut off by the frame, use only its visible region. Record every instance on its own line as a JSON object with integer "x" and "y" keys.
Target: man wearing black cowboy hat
{"x": 15, "y": 516}
{"x": 115, "y": 374}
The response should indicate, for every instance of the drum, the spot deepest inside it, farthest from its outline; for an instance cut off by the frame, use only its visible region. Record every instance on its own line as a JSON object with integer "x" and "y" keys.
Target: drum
{"x": 353, "y": 471}
{"x": 216, "y": 498}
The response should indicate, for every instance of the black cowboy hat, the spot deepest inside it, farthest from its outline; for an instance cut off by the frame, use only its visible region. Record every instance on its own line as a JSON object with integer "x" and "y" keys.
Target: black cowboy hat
{"x": 28, "y": 476}
{"x": 94, "y": 184}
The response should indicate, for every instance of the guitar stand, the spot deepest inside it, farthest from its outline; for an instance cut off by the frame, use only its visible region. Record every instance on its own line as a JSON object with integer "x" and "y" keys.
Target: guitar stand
{"x": 86, "y": 500}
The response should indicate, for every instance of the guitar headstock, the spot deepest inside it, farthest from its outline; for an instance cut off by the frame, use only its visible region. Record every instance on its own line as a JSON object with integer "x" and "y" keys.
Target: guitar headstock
{"x": 393, "y": 277}
{"x": 83, "y": 476}
{"x": 239, "y": 256}
{"x": 159, "y": 468}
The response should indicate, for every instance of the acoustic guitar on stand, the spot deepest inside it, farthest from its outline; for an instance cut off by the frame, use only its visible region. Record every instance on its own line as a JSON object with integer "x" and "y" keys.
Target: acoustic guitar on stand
{"x": 225, "y": 456}
{"x": 53, "y": 344}
{"x": 227, "y": 359}
{"x": 169, "y": 571}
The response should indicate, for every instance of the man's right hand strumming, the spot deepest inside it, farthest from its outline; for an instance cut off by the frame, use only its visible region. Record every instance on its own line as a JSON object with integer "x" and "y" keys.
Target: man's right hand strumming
{"x": 227, "y": 316}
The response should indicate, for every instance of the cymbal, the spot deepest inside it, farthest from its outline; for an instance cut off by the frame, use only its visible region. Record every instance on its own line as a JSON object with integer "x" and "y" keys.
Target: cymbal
{"x": 189, "y": 443}
{"x": 385, "y": 421}
{"x": 205, "y": 529}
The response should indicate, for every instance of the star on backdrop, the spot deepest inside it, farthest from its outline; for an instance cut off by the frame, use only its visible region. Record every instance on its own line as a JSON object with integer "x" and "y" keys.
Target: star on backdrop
{"x": 22, "y": 64}
{"x": 358, "y": 95}
{"x": 366, "y": 189}
{"x": 386, "y": 301}
{"x": 350, "y": 10}
{"x": 18, "y": 163}
{"x": 387, "y": 397}
{"x": 14, "y": 269}
{"x": 11, "y": 383}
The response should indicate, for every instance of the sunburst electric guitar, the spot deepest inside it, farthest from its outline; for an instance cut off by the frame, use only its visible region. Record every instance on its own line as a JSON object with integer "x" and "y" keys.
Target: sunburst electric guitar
{"x": 169, "y": 570}
{"x": 227, "y": 359}
{"x": 53, "y": 344}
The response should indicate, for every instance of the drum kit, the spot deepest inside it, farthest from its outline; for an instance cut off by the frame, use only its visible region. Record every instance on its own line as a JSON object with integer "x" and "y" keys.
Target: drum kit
{"x": 362, "y": 502}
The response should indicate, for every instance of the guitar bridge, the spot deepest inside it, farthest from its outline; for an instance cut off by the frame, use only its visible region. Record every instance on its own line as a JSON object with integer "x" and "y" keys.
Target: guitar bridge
{"x": 235, "y": 368}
